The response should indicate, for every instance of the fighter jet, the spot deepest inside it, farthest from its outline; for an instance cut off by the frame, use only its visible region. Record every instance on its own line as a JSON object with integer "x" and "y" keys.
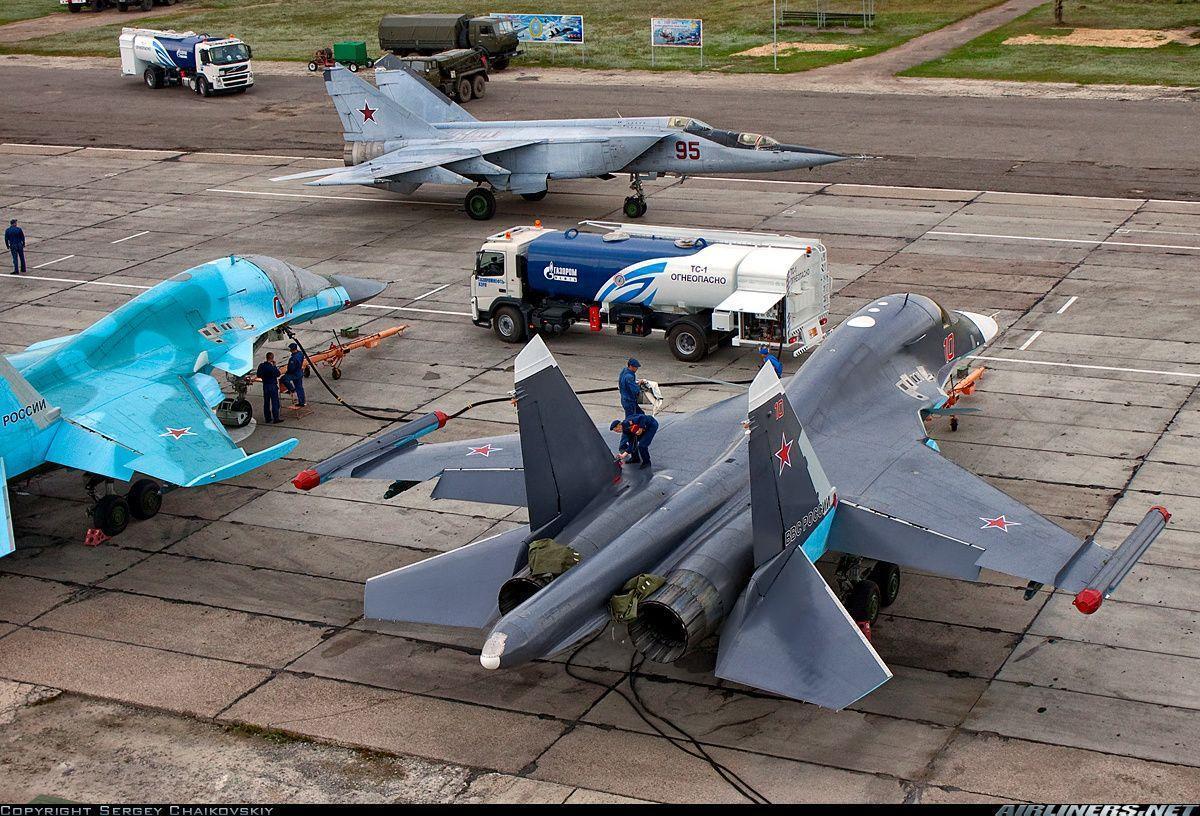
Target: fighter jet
{"x": 724, "y": 533}
{"x": 133, "y": 392}
{"x": 406, "y": 133}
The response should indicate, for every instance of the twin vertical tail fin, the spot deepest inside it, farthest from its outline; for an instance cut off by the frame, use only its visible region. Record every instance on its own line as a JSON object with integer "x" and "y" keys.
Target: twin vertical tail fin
{"x": 417, "y": 95}
{"x": 368, "y": 115}
{"x": 566, "y": 460}
{"x": 788, "y": 632}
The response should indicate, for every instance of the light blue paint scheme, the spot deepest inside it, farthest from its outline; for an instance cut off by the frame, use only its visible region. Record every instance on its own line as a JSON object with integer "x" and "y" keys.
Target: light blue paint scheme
{"x": 932, "y": 445}
{"x": 7, "y": 544}
{"x": 106, "y": 400}
{"x": 818, "y": 540}
{"x": 397, "y": 133}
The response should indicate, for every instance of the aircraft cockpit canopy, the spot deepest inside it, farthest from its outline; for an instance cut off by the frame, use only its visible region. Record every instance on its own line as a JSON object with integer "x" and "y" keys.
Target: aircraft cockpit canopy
{"x": 729, "y": 138}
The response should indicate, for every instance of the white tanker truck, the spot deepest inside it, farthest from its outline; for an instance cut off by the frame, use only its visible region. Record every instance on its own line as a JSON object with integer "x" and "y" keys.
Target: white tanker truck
{"x": 704, "y": 288}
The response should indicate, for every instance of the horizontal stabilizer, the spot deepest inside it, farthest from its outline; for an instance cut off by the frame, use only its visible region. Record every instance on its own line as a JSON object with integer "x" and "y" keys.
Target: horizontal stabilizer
{"x": 505, "y": 487}
{"x": 7, "y": 539}
{"x": 458, "y": 588}
{"x": 871, "y": 534}
{"x": 797, "y": 640}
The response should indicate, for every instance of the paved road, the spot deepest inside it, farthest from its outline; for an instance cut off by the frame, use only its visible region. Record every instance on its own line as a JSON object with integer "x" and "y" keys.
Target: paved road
{"x": 1106, "y": 147}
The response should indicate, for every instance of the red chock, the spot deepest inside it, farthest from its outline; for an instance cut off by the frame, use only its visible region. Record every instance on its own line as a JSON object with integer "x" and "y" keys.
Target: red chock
{"x": 1088, "y": 601}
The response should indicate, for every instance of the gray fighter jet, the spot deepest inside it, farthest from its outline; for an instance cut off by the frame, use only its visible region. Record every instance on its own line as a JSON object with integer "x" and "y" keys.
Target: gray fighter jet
{"x": 724, "y": 534}
{"x": 406, "y": 133}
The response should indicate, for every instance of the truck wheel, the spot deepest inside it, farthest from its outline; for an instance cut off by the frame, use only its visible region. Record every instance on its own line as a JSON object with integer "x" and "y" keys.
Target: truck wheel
{"x": 508, "y": 324}
{"x": 111, "y": 514}
{"x": 538, "y": 196}
{"x": 202, "y": 87}
{"x": 480, "y": 204}
{"x": 122, "y": 7}
{"x": 687, "y": 343}
{"x": 463, "y": 89}
{"x": 499, "y": 63}
{"x": 312, "y": 66}
{"x": 887, "y": 577}
{"x": 864, "y": 602}
{"x": 153, "y": 78}
{"x": 145, "y": 499}
{"x": 353, "y": 67}
{"x": 74, "y": 9}
{"x": 479, "y": 86}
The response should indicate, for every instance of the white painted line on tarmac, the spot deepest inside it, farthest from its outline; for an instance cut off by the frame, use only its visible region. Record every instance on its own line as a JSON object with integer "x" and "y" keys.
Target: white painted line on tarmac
{"x": 1060, "y": 240}
{"x": 130, "y": 237}
{"x": 1070, "y": 302}
{"x": 1155, "y": 231}
{"x": 1086, "y": 366}
{"x": 334, "y": 198}
{"x": 430, "y": 292}
{"x": 414, "y": 309}
{"x": 56, "y": 260}
{"x": 1029, "y": 342}
{"x": 74, "y": 280}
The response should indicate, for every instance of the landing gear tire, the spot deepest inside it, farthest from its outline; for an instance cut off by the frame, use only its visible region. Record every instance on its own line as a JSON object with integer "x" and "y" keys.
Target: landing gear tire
{"x": 244, "y": 412}
{"x": 887, "y": 577}
{"x": 508, "y": 324}
{"x": 687, "y": 343}
{"x": 145, "y": 499}
{"x": 480, "y": 204}
{"x": 864, "y": 602}
{"x": 634, "y": 207}
{"x": 479, "y": 86}
{"x": 538, "y": 196}
{"x": 111, "y": 514}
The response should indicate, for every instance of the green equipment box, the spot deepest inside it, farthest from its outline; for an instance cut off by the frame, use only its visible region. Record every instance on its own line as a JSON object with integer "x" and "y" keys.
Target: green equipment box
{"x": 350, "y": 52}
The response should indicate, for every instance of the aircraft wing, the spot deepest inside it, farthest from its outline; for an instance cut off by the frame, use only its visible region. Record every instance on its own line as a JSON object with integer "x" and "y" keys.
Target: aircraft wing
{"x": 397, "y": 164}
{"x": 160, "y": 428}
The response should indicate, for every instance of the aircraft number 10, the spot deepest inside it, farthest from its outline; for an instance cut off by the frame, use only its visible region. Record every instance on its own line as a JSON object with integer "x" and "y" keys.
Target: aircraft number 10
{"x": 687, "y": 150}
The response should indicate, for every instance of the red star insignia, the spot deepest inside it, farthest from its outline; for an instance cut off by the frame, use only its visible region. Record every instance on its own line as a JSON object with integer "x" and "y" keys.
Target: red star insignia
{"x": 784, "y": 454}
{"x": 368, "y": 113}
{"x": 176, "y": 433}
{"x": 999, "y": 522}
{"x": 486, "y": 450}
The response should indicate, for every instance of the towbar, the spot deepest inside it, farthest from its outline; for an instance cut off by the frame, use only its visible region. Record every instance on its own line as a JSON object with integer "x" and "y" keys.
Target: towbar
{"x": 1121, "y": 561}
{"x": 347, "y": 461}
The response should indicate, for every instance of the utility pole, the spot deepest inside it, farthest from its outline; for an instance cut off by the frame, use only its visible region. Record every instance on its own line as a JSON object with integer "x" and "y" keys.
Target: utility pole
{"x": 1058, "y": 12}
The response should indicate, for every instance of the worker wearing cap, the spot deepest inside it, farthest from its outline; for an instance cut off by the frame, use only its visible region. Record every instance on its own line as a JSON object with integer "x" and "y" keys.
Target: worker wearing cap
{"x": 294, "y": 378}
{"x": 14, "y": 242}
{"x": 630, "y": 387}
{"x": 637, "y": 432}
{"x": 268, "y": 374}
{"x": 768, "y": 357}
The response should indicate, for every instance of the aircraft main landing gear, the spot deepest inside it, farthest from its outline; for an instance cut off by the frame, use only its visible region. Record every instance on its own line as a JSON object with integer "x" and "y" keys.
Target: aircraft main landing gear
{"x": 112, "y": 512}
{"x": 635, "y": 205}
{"x": 480, "y": 203}
{"x": 866, "y": 586}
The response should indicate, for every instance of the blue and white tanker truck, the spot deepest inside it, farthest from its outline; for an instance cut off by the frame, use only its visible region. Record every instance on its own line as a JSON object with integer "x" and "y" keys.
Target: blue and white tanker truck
{"x": 703, "y": 288}
{"x": 202, "y": 63}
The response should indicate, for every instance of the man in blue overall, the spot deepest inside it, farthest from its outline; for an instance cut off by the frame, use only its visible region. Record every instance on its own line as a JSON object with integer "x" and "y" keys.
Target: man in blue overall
{"x": 268, "y": 374}
{"x": 14, "y": 242}
{"x": 766, "y": 356}
{"x": 630, "y": 387}
{"x": 637, "y": 432}
{"x": 294, "y": 378}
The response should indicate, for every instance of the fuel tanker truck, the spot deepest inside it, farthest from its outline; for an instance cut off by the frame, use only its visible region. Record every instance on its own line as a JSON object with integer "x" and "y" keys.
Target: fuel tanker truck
{"x": 204, "y": 64}
{"x": 703, "y": 288}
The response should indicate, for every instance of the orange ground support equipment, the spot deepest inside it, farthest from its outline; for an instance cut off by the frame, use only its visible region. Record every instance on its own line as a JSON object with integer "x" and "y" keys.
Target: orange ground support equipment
{"x": 965, "y": 387}
{"x": 337, "y": 351}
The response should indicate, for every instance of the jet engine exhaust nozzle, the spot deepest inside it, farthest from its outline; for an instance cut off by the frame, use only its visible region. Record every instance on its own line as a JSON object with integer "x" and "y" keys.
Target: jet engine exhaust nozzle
{"x": 676, "y": 618}
{"x": 519, "y": 589}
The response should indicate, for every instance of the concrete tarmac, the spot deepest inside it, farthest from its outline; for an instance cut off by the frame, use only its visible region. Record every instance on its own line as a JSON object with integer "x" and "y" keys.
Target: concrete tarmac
{"x": 222, "y": 644}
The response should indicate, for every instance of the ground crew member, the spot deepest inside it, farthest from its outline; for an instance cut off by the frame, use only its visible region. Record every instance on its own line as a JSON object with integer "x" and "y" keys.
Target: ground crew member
{"x": 14, "y": 242}
{"x": 768, "y": 357}
{"x": 294, "y": 378}
{"x": 268, "y": 374}
{"x": 630, "y": 387}
{"x": 637, "y": 432}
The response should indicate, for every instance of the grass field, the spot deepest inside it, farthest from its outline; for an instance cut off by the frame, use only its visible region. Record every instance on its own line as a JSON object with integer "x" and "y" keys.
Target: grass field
{"x": 617, "y": 34}
{"x": 987, "y": 57}
{"x": 13, "y": 10}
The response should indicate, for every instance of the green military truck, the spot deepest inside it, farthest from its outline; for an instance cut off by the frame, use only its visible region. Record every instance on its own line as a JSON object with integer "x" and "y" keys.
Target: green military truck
{"x": 426, "y": 34}
{"x": 461, "y": 74}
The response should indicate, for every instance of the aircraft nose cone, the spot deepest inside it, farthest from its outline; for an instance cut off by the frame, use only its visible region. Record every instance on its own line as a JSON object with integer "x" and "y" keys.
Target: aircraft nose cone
{"x": 493, "y": 649}
{"x": 360, "y": 290}
{"x": 811, "y": 156}
{"x": 986, "y": 325}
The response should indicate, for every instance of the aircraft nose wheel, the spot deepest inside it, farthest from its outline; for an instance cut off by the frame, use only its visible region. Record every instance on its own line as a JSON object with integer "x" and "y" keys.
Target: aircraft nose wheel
{"x": 635, "y": 207}
{"x": 480, "y": 204}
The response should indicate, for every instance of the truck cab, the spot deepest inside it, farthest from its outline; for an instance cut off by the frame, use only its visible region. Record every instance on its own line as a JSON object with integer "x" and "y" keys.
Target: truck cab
{"x": 202, "y": 63}
{"x": 703, "y": 288}
{"x": 495, "y": 37}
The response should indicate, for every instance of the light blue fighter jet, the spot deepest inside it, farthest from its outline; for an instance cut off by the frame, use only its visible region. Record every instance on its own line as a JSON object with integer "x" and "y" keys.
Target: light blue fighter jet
{"x": 133, "y": 393}
{"x": 406, "y": 133}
